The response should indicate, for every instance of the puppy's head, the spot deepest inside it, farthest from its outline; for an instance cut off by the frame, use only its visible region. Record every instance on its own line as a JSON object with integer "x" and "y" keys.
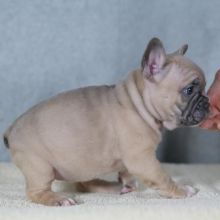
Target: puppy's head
{"x": 173, "y": 87}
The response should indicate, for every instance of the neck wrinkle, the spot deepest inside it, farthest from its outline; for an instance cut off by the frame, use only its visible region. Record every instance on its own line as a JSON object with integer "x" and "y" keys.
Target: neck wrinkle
{"x": 134, "y": 86}
{"x": 152, "y": 108}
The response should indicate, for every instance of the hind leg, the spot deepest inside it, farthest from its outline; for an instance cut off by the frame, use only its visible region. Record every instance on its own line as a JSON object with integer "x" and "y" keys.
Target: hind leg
{"x": 127, "y": 183}
{"x": 39, "y": 175}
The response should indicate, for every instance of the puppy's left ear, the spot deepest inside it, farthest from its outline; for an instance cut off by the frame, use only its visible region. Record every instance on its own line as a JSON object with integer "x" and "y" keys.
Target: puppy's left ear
{"x": 153, "y": 59}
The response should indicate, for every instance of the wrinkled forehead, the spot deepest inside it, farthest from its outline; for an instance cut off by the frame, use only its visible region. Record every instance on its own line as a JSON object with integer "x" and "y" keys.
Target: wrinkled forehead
{"x": 184, "y": 71}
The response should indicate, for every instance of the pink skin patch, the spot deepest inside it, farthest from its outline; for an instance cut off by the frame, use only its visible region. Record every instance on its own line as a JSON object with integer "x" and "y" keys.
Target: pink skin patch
{"x": 190, "y": 191}
{"x": 127, "y": 189}
{"x": 154, "y": 68}
{"x": 66, "y": 202}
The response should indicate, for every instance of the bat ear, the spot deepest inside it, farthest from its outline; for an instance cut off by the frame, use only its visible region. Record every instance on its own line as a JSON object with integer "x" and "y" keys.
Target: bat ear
{"x": 153, "y": 59}
{"x": 181, "y": 51}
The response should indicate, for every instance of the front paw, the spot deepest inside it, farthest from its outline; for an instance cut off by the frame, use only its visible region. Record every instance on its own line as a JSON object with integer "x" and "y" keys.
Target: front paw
{"x": 189, "y": 190}
{"x": 180, "y": 191}
{"x": 184, "y": 191}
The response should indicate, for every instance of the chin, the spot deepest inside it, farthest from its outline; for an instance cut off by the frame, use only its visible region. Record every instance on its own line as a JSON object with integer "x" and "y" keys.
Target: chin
{"x": 171, "y": 125}
{"x": 184, "y": 124}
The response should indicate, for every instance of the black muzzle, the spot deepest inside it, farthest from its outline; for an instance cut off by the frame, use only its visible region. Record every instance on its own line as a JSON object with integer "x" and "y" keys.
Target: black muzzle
{"x": 196, "y": 110}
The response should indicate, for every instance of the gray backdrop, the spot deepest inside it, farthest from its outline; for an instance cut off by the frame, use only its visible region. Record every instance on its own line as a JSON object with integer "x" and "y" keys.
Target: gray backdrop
{"x": 47, "y": 46}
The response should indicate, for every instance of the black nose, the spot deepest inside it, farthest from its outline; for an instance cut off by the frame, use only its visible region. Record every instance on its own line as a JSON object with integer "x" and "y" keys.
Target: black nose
{"x": 205, "y": 103}
{"x": 202, "y": 109}
{"x": 196, "y": 111}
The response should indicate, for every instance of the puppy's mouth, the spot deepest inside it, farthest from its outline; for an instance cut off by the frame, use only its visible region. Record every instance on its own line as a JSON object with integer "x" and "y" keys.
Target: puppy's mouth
{"x": 196, "y": 110}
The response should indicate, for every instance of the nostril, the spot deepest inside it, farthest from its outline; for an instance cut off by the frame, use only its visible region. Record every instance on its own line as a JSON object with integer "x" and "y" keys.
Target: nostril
{"x": 206, "y": 105}
{"x": 200, "y": 104}
{"x": 205, "y": 99}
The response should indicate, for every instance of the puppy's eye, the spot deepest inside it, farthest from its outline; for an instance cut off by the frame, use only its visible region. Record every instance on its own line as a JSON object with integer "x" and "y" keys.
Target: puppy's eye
{"x": 188, "y": 91}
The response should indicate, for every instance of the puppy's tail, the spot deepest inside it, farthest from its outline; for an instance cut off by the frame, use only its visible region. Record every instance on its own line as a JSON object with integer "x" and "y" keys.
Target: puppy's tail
{"x": 5, "y": 138}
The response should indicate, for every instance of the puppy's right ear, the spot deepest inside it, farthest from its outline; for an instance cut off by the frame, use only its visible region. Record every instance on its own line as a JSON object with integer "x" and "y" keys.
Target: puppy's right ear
{"x": 153, "y": 59}
{"x": 181, "y": 51}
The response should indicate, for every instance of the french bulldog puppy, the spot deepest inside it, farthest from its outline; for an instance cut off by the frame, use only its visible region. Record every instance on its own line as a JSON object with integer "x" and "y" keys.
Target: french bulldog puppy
{"x": 82, "y": 134}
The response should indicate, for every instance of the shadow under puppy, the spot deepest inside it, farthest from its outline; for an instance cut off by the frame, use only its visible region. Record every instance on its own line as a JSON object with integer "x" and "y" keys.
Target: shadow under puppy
{"x": 82, "y": 134}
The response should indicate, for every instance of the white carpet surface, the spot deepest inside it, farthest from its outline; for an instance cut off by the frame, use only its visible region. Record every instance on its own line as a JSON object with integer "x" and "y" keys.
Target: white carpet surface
{"x": 144, "y": 204}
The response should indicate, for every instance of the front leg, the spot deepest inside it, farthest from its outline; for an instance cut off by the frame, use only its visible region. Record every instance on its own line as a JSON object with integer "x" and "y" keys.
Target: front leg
{"x": 146, "y": 167}
{"x": 129, "y": 183}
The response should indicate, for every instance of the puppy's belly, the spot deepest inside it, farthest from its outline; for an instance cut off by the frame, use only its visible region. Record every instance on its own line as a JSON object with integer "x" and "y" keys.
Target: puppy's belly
{"x": 85, "y": 171}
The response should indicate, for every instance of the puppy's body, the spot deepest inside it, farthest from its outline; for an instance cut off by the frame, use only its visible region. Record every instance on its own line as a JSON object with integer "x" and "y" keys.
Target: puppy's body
{"x": 87, "y": 138}
{"x": 82, "y": 134}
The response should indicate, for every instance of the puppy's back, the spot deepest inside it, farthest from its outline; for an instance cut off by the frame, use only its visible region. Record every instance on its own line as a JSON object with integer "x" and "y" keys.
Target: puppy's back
{"x": 76, "y": 110}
